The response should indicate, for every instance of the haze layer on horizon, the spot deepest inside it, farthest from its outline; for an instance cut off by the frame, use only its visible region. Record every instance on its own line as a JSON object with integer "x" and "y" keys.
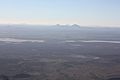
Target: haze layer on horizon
{"x": 82, "y": 12}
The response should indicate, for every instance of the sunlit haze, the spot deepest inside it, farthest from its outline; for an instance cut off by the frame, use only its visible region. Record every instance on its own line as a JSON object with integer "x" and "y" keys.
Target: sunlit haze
{"x": 82, "y": 12}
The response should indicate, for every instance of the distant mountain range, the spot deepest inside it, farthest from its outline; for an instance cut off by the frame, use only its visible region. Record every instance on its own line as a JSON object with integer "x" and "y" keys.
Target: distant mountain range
{"x": 58, "y": 25}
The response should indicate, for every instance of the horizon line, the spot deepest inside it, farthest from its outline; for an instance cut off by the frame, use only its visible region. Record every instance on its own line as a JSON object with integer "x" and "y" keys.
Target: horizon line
{"x": 111, "y": 26}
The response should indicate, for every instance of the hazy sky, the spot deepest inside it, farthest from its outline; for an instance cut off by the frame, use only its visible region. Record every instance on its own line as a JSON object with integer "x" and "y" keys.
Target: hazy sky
{"x": 83, "y": 12}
